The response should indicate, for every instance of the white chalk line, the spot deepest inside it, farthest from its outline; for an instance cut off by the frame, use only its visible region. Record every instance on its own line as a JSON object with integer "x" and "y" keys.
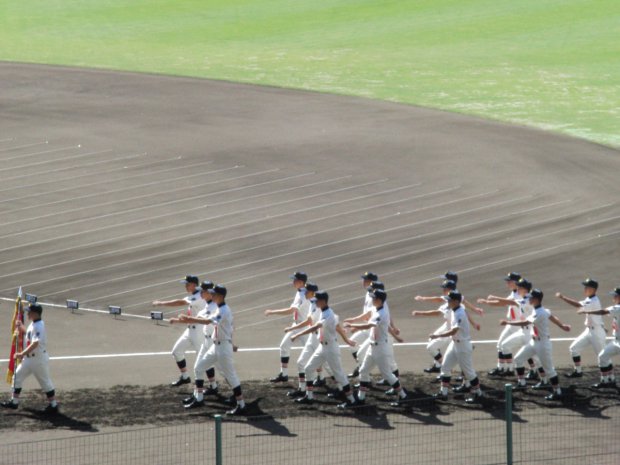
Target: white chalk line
{"x": 8, "y": 139}
{"x": 92, "y": 184}
{"x": 95, "y": 206}
{"x": 25, "y": 155}
{"x": 252, "y": 349}
{"x": 211, "y": 244}
{"x": 17, "y": 147}
{"x": 90, "y": 165}
{"x": 47, "y": 162}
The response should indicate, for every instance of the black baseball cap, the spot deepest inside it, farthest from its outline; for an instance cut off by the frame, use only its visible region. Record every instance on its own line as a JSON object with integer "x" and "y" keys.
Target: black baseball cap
{"x": 300, "y": 275}
{"x": 191, "y": 279}
{"x": 455, "y": 295}
{"x": 448, "y": 284}
{"x": 537, "y": 294}
{"x": 379, "y": 294}
{"x": 206, "y": 285}
{"x": 512, "y": 276}
{"x": 322, "y": 295}
{"x": 370, "y": 276}
{"x": 590, "y": 283}
{"x": 35, "y": 308}
{"x": 524, "y": 283}
{"x": 615, "y": 292}
{"x": 375, "y": 285}
{"x": 451, "y": 276}
{"x": 310, "y": 286}
{"x": 218, "y": 289}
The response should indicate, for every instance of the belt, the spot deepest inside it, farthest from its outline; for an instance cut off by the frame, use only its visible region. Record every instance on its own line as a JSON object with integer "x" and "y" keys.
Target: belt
{"x": 32, "y": 355}
{"x": 540, "y": 338}
{"x": 220, "y": 342}
{"x": 191, "y": 326}
{"x": 376, "y": 343}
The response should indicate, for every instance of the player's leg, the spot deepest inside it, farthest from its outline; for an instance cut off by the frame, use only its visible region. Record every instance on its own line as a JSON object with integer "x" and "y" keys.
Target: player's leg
{"x": 465, "y": 360}
{"x": 545, "y": 354}
{"x": 511, "y": 345}
{"x": 525, "y": 353}
{"x": 356, "y": 351}
{"x": 226, "y": 366}
{"x": 384, "y": 359}
{"x": 285, "y": 354}
{"x": 41, "y": 372}
{"x": 368, "y": 363}
{"x": 21, "y": 373}
{"x": 449, "y": 362}
{"x": 204, "y": 360}
{"x": 606, "y": 366}
{"x": 178, "y": 352}
{"x": 576, "y": 348}
{"x": 436, "y": 348}
{"x": 316, "y": 360}
{"x": 332, "y": 357}
{"x": 309, "y": 347}
{"x": 501, "y": 358}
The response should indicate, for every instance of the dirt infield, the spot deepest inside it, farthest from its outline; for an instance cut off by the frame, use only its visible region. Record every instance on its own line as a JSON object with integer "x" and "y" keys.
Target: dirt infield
{"x": 115, "y": 185}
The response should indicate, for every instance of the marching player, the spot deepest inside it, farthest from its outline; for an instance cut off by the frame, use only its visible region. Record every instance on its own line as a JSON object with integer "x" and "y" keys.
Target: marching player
{"x": 613, "y": 348}
{"x": 504, "y": 361}
{"x": 378, "y": 353}
{"x": 191, "y": 337}
{"x": 450, "y": 276}
{"x": 437, "y": 347}
{"x": 594, "y": 334}
{"x": 312, "y": 341}
{"x": 221, "y": 352}
{"x": 519, "y": 309}
{"x": 460, "y": 351}
{"x": 361, "y": 337}
{"x": 203, "y": 319}
{"x": 328, "y": 351}
{"x": 540, "y": 344}
{"x": 299, "y": 311}
{"x": 34, "y": 361}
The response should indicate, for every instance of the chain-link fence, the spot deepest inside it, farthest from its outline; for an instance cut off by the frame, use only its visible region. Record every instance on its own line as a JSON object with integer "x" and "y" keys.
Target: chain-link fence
{"x": 423, "y": 431}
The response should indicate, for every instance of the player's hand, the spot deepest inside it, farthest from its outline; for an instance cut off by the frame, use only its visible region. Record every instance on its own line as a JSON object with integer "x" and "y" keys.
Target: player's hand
{"x": 477, "y": 326}
{"x": 267, "y": 312}
{"x": 288, "y": 329}
{"x": 559, "y": 295}
{"x": 18, "y": 356}
{"x": 415, "y": 313}
{"x": 566, "y": 327}
{"x": 346, "y": 325}
{"x": 293, "y": 338}
{"x": 156, "y": 303}
{"x": 174, "y": 320}
{"x": 503, "y": 322}
{"x": 432, "y": 336}
{"x": 235, "y": 348}
{"x": 419, "y": 298}
{"x": 479, "y": 311}
{"x": 396, "y": 331}
{"x": 481, "y": 301}
{"x": 398, "y": 339}
{"x": 19, "y": 324}
{"x": 351, "y": 343}
{"x": 182, "y": 317}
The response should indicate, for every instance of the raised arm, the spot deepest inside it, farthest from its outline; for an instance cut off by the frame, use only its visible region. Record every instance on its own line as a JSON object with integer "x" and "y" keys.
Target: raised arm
{"x": 426, "y": 313}
{"x": 281, "y": 311}
{"x": 495, "y": 301}
{"x": 308, "y": 330}
{"x": 303, "y": 324}
{"x": 170, "y": 303}
{"x": 437, "y": 299}
{"x": 472, "y": 307}
{"x": 574, "y": 303}
{"x": 556, "y": 321}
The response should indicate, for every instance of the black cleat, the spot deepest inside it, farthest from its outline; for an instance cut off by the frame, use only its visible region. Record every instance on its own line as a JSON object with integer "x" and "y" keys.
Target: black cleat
{"x": 211, "y": 391}
{"x": 554, "y": 396}
{"x": 9, "y": 404}
{"x": 189, "y": 400}
{"x": 436, "y": 380}
{"x": 232, "y": 400}
{"x": 574, "y": 374}
{"x": 462, "y": 389}
{"x": 348, "y": 404}
{"x": 458, "y": 379}
{"x": 383, "y": 382}
{"x": 508, "y": 374}
{"x": 49, "y": 410}
{"x": 496, "y": 372}
{"x": 319, "y": 382}
{"x": 440, "y": 396}
{"x": 238, "y": 411}
{"x": 279, "y": 379}
{"x": 391, "y": 392}
{"x": 519, "y": 387}
{"x": 604, "y": 385}
{"x": 337, "y": 395}
{"x": 541, "y": 386}
{"x": 433, "y": 369}
{"x": 305, "y": 400}
{"x": 181, "y": 381}
{"x": 355, "y": 373}
{"x": 475, "y": 399}
{"x": 194, "y": 404}
{"x": 295, "y": 394}
{"x": 532, "y": 376}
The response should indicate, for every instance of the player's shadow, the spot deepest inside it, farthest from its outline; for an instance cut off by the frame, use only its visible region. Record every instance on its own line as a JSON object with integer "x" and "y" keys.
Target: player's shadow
{"x": 260, "y": 420}
{"x": 60, "y": 420}
{"x": 369, "y": 415}
{"x": 422, "y": 408}
{"x": 577, "y": 403}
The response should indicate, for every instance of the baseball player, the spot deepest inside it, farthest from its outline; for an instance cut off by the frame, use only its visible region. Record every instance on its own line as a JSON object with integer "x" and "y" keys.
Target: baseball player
{"x": 312, "y": 341}
{"x": 192, "y": 336}
{"x": 378, "y": 353}
{"x": 221, "y": 352}
{"x": 299, "y": 309}
{"x": 361, "y": 337}
{"x": 450, "y": 276}
{"x": 540, "y": 344}
{"x": 203, "y": 319}
{"x": 519, "y": 308}
{"x": 594, "y": 334}
{"x": 328, "y": 350}
{"x": 34, "y": 361}
{"x": 460, "y": 351}
{"x": 613, "y": 348}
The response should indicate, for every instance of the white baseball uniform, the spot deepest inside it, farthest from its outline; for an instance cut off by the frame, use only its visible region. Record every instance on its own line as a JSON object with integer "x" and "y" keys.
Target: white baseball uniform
{"x": 302, "y": 307}
{"x": 613, "y": 348}
{"x": 361, "y": 337}
{"x": 208, "y": 312}
{"x": 378, "y": 352}
{"x": 439, "y": 345}
{"x": 192, "y": 336}
{"x": 523, "y": 335}
{"x": 594, "y": 334}
{"x": 540, "y": 345}
{"x": 37, "y": 362}
{"x": 460, "y": 350}
{"x": 312, "y": 340}
{"x": 514, "y": 313}
{"x": 220, "y": 354}
{"x": 328, "y": 350}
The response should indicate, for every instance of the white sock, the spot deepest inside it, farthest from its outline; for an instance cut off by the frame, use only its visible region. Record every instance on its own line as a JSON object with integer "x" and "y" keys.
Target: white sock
{"x": 350, "y": 398}
{"x": 361, "y": 395}
{"x": 309, "y": 394}
{"x": 444, "y": 390}
{"x": 53, "y": 403}
{"x": 241, "y": 403}
{"x": 184, "y": 374}
{"x": 402, "y": 394}
{"x": 199, "y": 396}
{"x": 284, "y": 371}
{"x": 213, "y": 384}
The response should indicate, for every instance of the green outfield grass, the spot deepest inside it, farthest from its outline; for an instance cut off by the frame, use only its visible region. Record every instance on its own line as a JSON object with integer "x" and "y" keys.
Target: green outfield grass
{"x": 553, "y": 64}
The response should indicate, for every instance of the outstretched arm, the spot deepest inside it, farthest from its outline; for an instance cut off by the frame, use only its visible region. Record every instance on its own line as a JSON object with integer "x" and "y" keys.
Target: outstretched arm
{"x": 555, "y": 320}
{"x": 437, "y": 299}
{"x": 472, "y": 307}
{"x": 426, "y": 313}
{"x": 343, "y": 335}
{"x": 170, "y": 303}
{"x": 569, "y": 301}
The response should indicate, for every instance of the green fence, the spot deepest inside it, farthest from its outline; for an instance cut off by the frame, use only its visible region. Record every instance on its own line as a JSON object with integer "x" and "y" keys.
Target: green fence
{"x": 530, "y": 431}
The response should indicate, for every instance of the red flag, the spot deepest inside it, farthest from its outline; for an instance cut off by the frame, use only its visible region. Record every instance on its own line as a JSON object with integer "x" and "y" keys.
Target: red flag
{"x": 17, "y": 341}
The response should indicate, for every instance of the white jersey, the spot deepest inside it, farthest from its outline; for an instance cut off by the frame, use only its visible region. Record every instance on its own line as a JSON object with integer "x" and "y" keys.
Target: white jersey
{"x": 314, "y": 312}
{"x": 298, "y": 301}
{"x": 195, "y": 303}
{"x": 368, "y": 306}
{"x": 381, "y": 319}
{"x": 540, "y": 320}
{"x": 36, "y": 333}
{"x": 447, "y": 314}
{"x": 592, "y": 303}
{"x": 223, "y": 323}
{"x": 327, "y": 331}
{"x": 460, "y": 321}
{"x": 615, "y": 314}
{"x": 514, "y": 313}
{"x": 207, "y": 312}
